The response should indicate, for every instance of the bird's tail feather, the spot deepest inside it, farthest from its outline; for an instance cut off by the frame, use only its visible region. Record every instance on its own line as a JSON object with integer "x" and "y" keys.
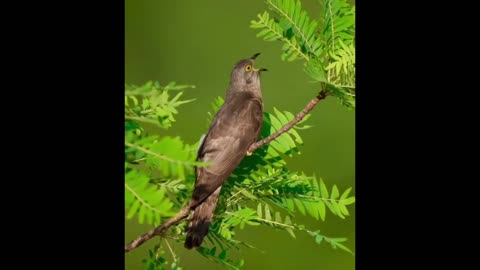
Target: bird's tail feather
{"x": 199, "y": 224}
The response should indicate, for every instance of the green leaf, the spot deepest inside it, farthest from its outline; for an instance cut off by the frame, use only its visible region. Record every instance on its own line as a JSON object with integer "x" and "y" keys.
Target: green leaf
{"x": 300, "y": 206}
{"x": 316, "y": 188}
{"x": 349, "y": 201}
{"x": 281, "y": 117}
{"x": 335, "y": 242}
{"x": 149, "y": 215}
{"x": 336, "y": 209}
{"x": 259, "y": 210}
{"x": 335, "y": 193}
{"x": 290, "y": 231}
{"x": 311, "y": 209}
{"x": 223, "y": 255}
{"x": 315, "y": 70}
{"x": 304, "y": 127}
{"x": 267, "y": 213}
{"x": 133, "y": 209}
{"x": 321, "y": 210}
{"x": 278, "y": 218}
{"x": 289, "y": 203}
{"x": 288, "y": 221}
{"x": 323, "y": 189}
{"x": 343, "y": 209}
{"x": 141, "y": 214}
{"x": 345, "y": 193}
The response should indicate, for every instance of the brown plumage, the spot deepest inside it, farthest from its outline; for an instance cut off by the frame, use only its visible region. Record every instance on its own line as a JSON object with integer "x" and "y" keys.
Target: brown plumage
{"x": 234, "y": 128}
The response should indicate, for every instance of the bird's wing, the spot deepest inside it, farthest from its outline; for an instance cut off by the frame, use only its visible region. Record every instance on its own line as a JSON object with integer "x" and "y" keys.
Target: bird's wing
{"x": 235, "y": 127}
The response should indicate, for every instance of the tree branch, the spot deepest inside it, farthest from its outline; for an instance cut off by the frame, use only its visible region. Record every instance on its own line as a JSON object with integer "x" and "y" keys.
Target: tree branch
{"x": 288, "y": 126}
{"x": 158, "y": 231}
{"x": 183, "y": 214}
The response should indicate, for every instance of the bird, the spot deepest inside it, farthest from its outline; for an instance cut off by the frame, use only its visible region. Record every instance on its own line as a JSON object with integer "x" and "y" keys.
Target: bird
{"x": 235, "y": 126}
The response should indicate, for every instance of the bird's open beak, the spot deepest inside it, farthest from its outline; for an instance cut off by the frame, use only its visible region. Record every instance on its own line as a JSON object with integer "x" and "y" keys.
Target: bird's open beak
{"x": 260, "y": 70}
{"x": 255, "y": 56}
{"x": 255, "y": 69}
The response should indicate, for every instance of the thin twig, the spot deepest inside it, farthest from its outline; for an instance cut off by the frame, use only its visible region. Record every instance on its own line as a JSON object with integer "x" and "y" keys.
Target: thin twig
{"x": 142, "y": 119}
{"x": 183, "y": 214}
{"x": 169, "y": 159}
{"x": 171, "y": 251}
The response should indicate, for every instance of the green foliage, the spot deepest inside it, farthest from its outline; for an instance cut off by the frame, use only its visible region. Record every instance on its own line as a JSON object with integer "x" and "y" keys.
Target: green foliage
{"x": 220, "y": 257}
{"x": 169, "y": 155}
{"x": 145, "y": 199}
{"x": 156, "y": 168}
{"x": 338, "y": 22}
{"x": 293, "y": 191}
{"x": 151, "y": 103}
{"x": 292, "y": 26}
{"x": 327, "y": 45}
{"x": 155, "y": 260}
{"x": 159, "y": 179}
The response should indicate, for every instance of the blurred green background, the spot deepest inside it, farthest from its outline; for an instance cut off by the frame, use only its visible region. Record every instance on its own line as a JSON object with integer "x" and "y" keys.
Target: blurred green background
{"x": 198, "y": 42}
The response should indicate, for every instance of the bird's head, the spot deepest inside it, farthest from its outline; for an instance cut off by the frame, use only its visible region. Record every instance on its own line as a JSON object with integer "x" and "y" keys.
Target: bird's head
{"x": 245, "y": 74}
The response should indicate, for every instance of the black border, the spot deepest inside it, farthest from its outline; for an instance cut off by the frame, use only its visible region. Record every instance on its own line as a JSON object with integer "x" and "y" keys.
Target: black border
{"x": 65, "y": 119}
{"x": 407, "y": 95}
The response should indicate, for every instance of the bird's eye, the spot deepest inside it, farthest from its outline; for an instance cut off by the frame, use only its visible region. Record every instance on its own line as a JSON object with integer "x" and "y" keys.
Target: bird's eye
{"x": 248, "y": 68}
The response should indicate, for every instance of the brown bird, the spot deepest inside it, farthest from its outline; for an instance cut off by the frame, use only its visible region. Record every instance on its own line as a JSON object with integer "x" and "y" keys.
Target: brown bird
{"x": 234, "y": 128}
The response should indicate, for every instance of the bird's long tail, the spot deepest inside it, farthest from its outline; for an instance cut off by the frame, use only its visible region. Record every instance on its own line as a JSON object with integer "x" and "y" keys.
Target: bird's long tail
{"x": 199, "y": 224}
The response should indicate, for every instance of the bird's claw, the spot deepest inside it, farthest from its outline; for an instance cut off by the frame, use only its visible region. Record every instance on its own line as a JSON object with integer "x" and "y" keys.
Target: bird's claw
{"x": 249, "y": 153}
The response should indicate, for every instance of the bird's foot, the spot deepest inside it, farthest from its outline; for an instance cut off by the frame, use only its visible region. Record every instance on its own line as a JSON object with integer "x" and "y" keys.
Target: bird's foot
{"x": 249, "y": 153}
